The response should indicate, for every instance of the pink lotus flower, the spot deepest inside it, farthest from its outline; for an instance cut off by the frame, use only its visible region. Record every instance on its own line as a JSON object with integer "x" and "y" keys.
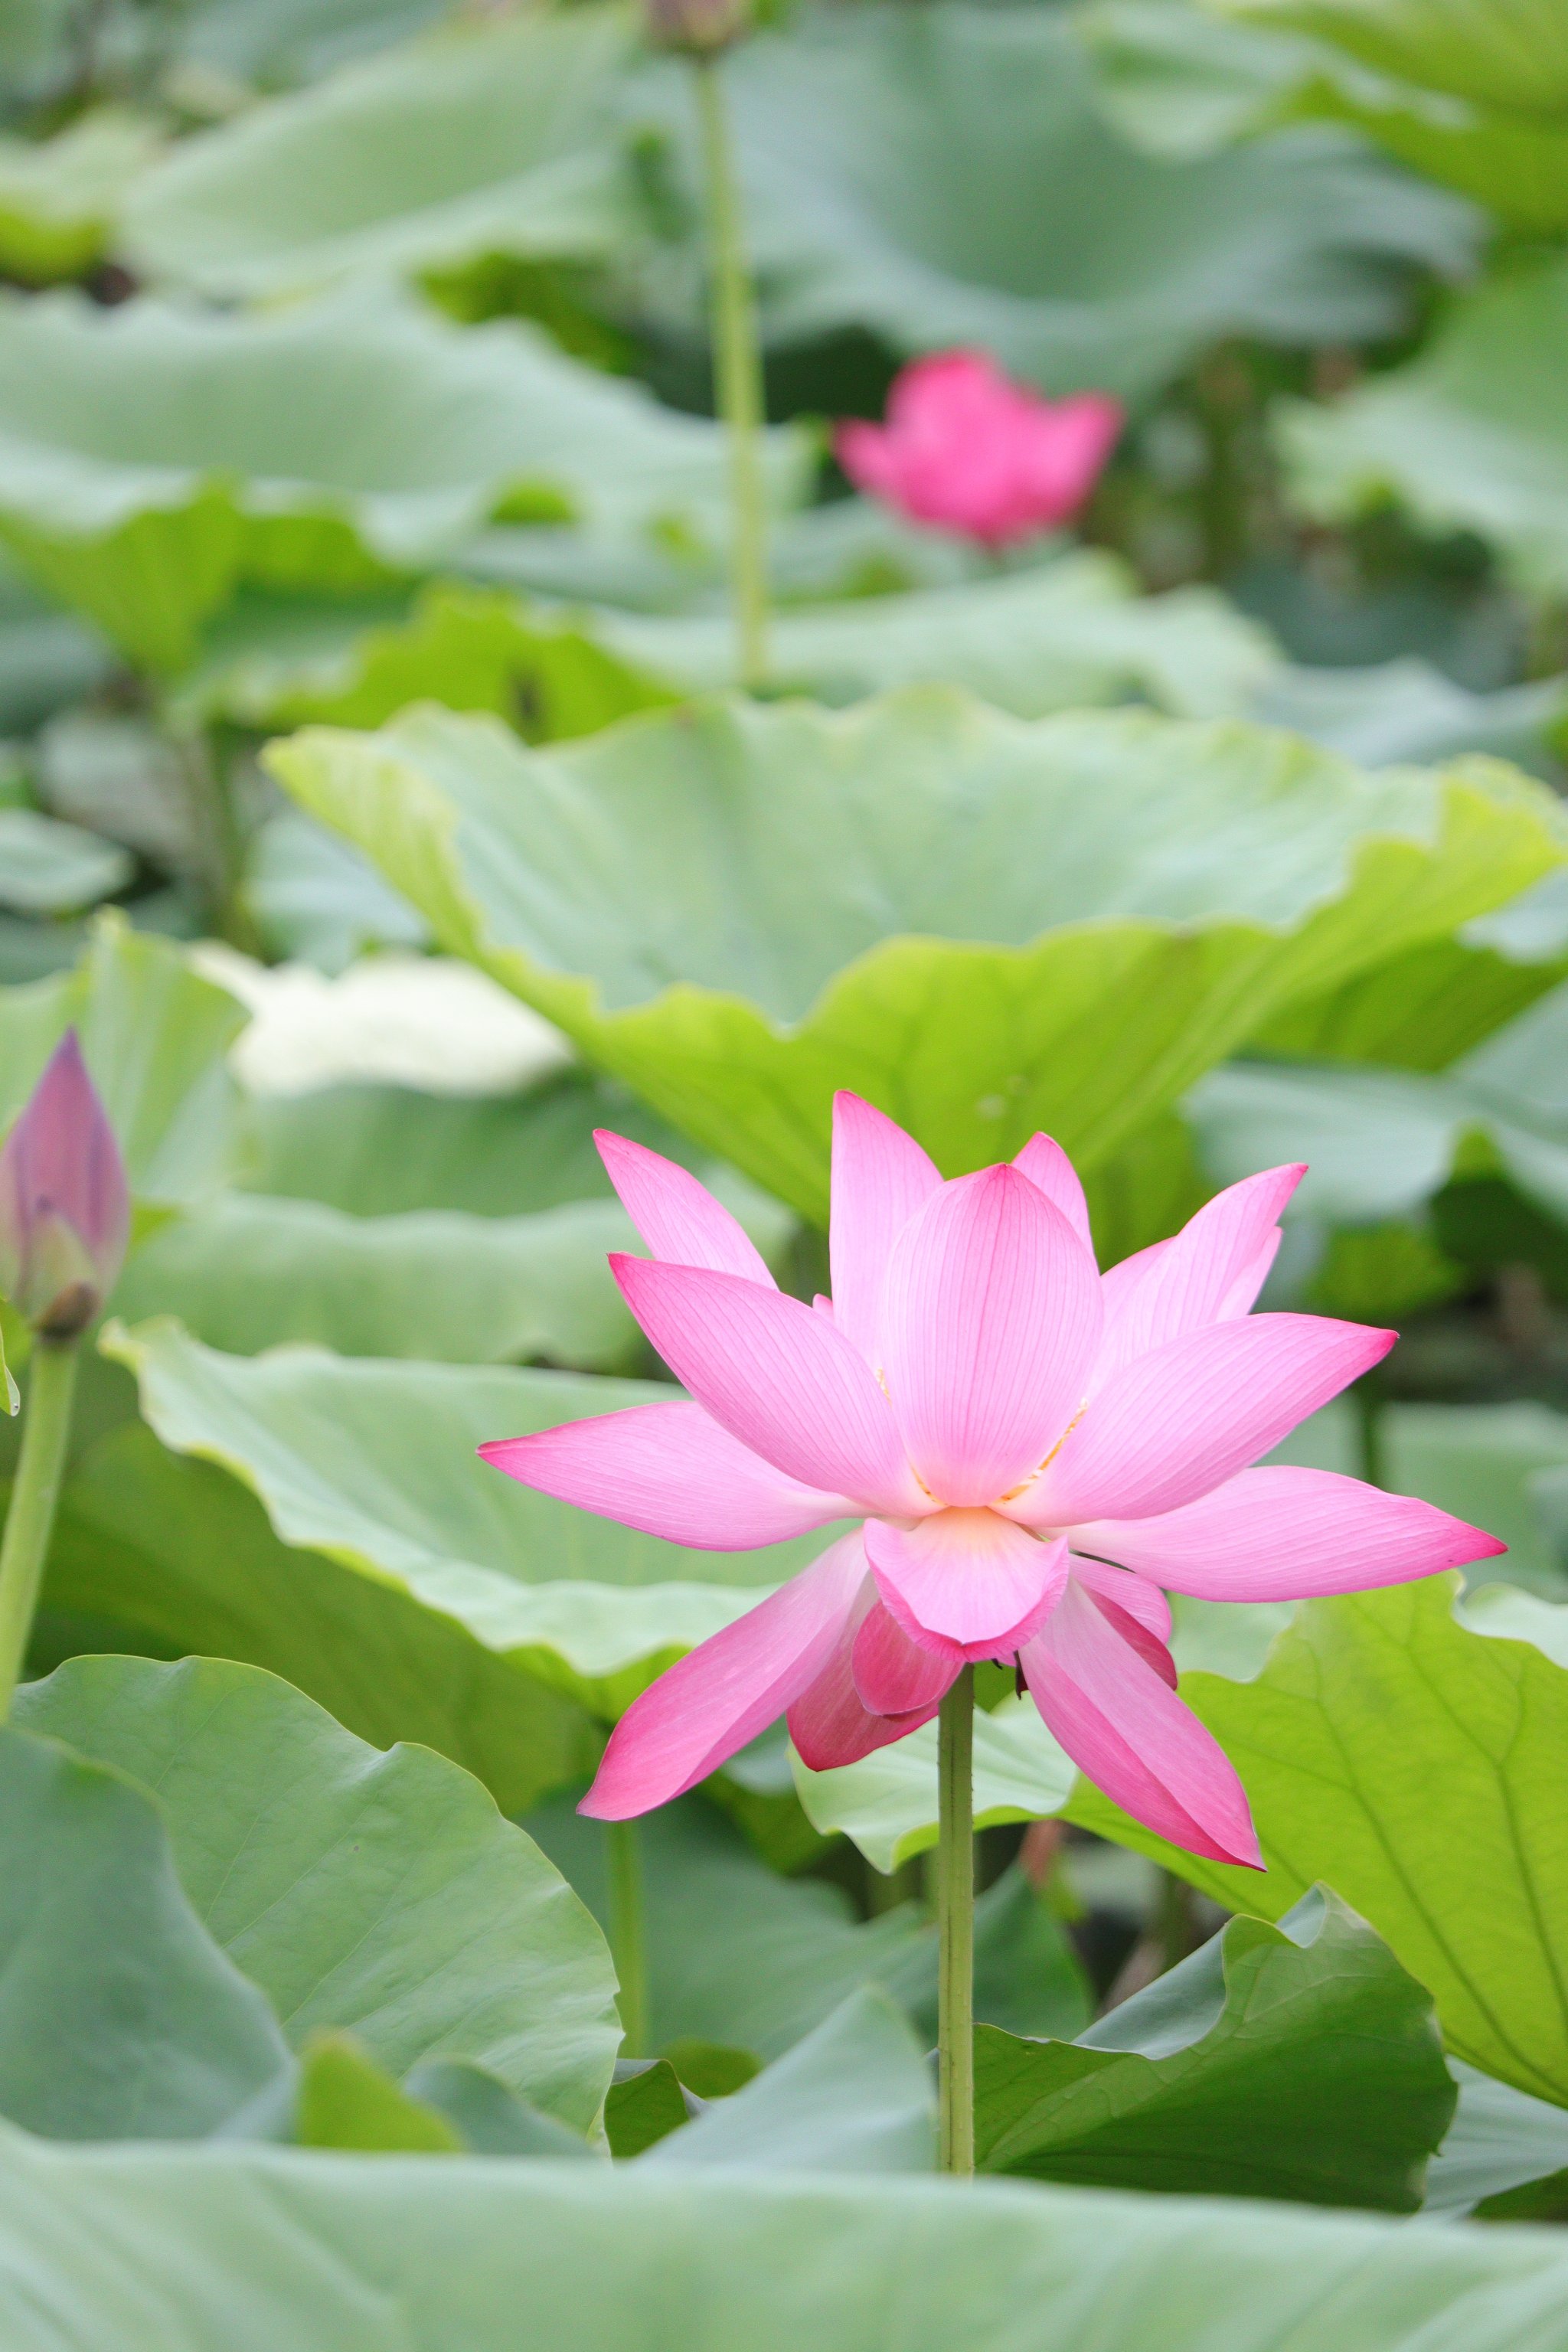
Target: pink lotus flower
{"x": 1032, "y": 1451}
{"x": 967, "y": 449}
{"x": 65, "y": 1210}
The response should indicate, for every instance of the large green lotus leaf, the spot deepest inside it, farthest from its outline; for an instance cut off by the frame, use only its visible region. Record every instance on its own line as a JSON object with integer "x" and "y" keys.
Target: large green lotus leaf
{"x": 1512, "y": 55}
{"x": 739, "y": 1957}
{"x": 1470, "y": 435}
{"x": 1394, "y": 711}
{"x": 230, "y": 43}
{"x": 1298, "y": 2061}
{"x": 986, "y": 926}
{"x": 383, "y": 1150}
{"x": 379, "y": 1894}
{"x": 856, "y": 2095}
{"x": 251, "y": 1272}
{"x": 254, "y": 1272}
{"x": 373, "y": 1463}
{"x": 156, "y": 458}
{"x": 279, "y": 44}
{"x": 480, "y": 139}
{"x": 154, "y": 1035}
{"x": 175, "y": 1555}
{"x": 1185, "y": 82}
{"x": 58, "y": 197}
{"x": 1370, "y": 1703}
{"x": 246, "y": 2249}
{"x": 947, "y": 177}
{"x": 119, "y": 2016}
{"x": 1054, "y": 637}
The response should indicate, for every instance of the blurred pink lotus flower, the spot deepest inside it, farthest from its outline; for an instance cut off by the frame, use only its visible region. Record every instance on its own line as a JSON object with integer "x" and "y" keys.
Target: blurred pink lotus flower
{"x": 64, "y": 1209}
{"x": 966, "y": 449}
{"x": 1033, "y": 1452}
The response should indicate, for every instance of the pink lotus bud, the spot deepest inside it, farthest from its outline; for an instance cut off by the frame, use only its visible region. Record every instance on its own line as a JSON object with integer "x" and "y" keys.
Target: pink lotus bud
{"x": 969, "y": 450}
{"x": 65, "y": 1210}
{"x": 698, "y": 27}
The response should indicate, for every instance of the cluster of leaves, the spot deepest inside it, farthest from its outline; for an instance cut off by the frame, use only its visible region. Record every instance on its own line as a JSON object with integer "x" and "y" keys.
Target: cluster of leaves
{"x": 364, "y": 525}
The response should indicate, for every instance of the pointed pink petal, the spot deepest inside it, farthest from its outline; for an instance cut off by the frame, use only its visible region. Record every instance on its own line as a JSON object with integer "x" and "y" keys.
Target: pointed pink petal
{"x": 1047, "y": 1167}
{"x": 1130, "y": 1595}
{"x": 1135, "y": 1739}
{"x": 671, "y": 1470}
{"x": 891, "y": 1674}
{"x": 1240, "y": 1298}
{"x": 65, "y": 1205}
{"x": 880, "y": 1177}
{"x": 1186, "y": 1285}
{"x": 724, "y": 1693}
{"x": 965, "y": 1583}
{"x": 678, "y": 1217}
{"x": 829, "y": 1723}
{"x": 991, "y": 1320}
{"x": 1282, "y": 1534}
{"x": 778, "y": 1376}
{"x": 1174, "y": 1424}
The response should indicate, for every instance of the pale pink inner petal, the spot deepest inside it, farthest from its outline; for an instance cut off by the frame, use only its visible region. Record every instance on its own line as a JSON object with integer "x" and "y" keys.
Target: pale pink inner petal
{"x": 672, "y": 1471}
{"x": 991, "y": 1319}
{"x": 781, "y": 1377}
{"x": 678, "y": 1217}
{"x": 1133, "y": 1736}
{"x": 880, "y": 1177}
{"x": 1186, "y": 1284}
{"x": 1047, "y": 1167}
{"x": 1172, "y": 1425}
{"x": 967, "y": 1583}
{"x": 724, "y": 1694}
{"x": 892, "y": 1675}
{"x": 1282, "y": 1534}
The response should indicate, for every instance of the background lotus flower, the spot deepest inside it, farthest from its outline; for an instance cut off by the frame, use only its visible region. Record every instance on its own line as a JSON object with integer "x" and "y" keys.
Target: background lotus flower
{"x": 1035, "y": 1454}
{"x": 966, "y": 449}
{"x": 65, "y": 1209}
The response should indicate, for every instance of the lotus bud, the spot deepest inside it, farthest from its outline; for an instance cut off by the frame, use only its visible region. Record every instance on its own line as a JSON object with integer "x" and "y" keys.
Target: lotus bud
{"x": 700, "y": 27}
{"x": 64, "y": 1209}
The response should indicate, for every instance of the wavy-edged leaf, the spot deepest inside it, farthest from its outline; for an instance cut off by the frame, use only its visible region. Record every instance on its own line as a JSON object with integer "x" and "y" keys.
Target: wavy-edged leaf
{"x": 120, "y": 2018}
{"x": 137, "y": 2250}
{"x": 1512, "y": 55}
{"x": 58, "y": 197}
{"x": 1501, "y": 2139}
{"x": 373, "y": 1463}
{"x": 1297, "y": 2062}
{"x": 382, "y": 1894}
{"x": 986, "y": 926}
{"x": 1471, "y": 436}
{"x": 1368, "y": 1704}
{"x": 156, "y": 457}
{"x": 1057, "y": 636}
{"x": 181, "y": 1557}
{"x": 948, "y": 178}
{"x": 480, "y": 139}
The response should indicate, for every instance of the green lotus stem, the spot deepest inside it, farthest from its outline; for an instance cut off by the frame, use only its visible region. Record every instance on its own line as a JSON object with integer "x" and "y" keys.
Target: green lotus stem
{"x": 29, "y": 1522}
{"x": 628, "y": 1940}
{"x": 737, "y": 375}
{"x": 955, "y": 1926}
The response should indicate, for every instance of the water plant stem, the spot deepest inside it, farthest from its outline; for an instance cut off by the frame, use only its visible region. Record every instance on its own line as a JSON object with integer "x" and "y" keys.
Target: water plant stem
{"x": 51, "y": 1385}
{"x": 629, "y": 1941}
{"x": 737, "y": 374}
{"x": 955, "y": 1926}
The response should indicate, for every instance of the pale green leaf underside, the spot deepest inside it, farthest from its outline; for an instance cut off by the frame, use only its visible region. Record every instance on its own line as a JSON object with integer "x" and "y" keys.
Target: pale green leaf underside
{"x": 382, "y": 1895}
{"x": 154, "y": 458}
{"x": 986, "y": 926}
{"x": 258, "y": 2248}
{"x": 481, "y": 138}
